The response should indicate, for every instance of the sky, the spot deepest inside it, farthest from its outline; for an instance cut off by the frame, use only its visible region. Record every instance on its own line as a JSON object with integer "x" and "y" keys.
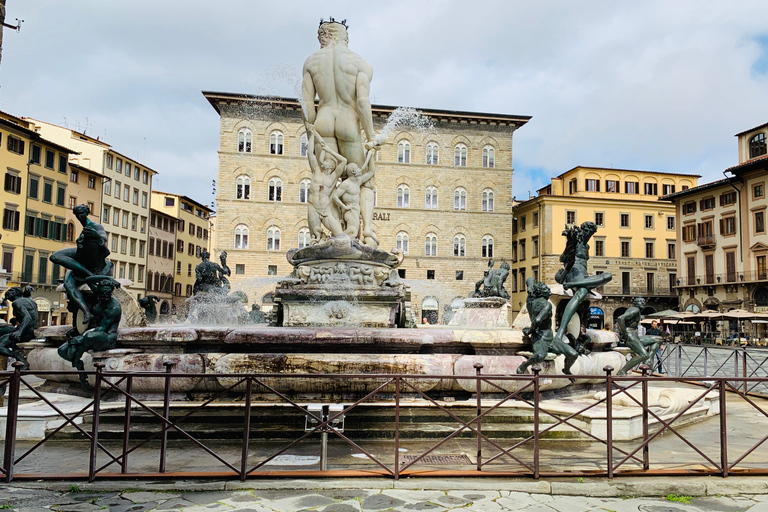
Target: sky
{"x": 654, "y": 85}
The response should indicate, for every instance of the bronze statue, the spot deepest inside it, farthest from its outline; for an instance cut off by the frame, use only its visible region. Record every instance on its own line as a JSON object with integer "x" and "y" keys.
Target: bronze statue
{"x": 27, "y": 320}
{"x": 574, "y": 274}
{"x": 211, "y": 277}
{"x": 102, "y": 328}
{"x": 627, "y": 329}
{"x": 148, "y": 304}
{"x": 88, "y": 259}
{"x": 493, "y": 282}
{"x": 256, "y": 314}
{"x": 540, "y": 331}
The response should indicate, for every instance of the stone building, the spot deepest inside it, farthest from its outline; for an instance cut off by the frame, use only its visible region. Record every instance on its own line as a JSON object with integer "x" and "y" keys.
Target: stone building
{"x": 161, "y": 252}
{"x": 444, "y": 195}
{"x": 722, "y": 234}
{"x": 635, "y": 241}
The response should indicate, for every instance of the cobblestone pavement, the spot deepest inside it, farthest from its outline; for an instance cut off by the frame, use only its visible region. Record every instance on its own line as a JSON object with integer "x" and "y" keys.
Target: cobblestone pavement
{"x": 24, "y": 499}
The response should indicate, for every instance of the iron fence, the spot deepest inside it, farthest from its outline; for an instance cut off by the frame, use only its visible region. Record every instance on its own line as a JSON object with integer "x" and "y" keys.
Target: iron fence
{"x": 533, "y": 454}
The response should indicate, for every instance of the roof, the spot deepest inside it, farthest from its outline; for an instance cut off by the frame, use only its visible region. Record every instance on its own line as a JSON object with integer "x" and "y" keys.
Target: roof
{"x": 80, "y": 135}
{"x": 294, "y": 104}
{"x": 36, "y": 137}
{"x": 132, "y": 160}
{"x": 757, "y": 162}
{"x": 751, "y": 129}
{"x": 700, "y": 188}
{"x": 187, "y": 198}
{"x": 89, "y": 171}
{"x": 629, "y": 170}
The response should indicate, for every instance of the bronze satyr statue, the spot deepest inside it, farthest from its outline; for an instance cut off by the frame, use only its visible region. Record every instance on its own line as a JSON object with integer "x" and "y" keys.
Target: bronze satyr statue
{"x": 627, "y": 329}
{"x": 211, "y": 277}
{"x": 88, "y": 259}
{"x": 150, "y": 309}
{"x": 25, "y": 313}
{"x": 102, "y": 328}
{"x": 493, "y": 282}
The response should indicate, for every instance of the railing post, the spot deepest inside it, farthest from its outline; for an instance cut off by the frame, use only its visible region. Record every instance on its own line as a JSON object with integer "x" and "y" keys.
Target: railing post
{"x": 246, "y": 428}
{"x": 127, "y": 422}
{"x": 644, "y": 386}
{"x": 95, "y": 421}
{"x": 744, "y": 367}
{"x": 706, "y": 361}
{"x": 609, "y": 417}
{"x": 11, "y": 419}
{"x": 397, "y": 428}
{"x": 735, "y": 355}
{"x": 536, "y": 397}
{"x": 166, "y": 414}
{"x": 478, "y": 368}
{"x": 723, "y": 430}
{"x": 679, "y": 360}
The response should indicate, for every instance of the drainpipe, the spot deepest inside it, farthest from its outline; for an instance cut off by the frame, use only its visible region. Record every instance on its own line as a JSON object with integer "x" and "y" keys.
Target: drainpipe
{"x": 738, "y": 212}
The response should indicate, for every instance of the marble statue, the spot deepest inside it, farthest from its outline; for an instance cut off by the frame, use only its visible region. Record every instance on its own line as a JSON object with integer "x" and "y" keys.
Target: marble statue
{"x": 150, "y": 309}
{"x": 493, "y": 282}
{"x": 25, "y": 313}
{"x": 574, "y": 274}
{"x": 102, "y": 328}
{"x": 88, "y": 259}
{"x": 643, "y": 347}
{"x": 211, "y": 277}
{"x": 347, "y": 194}
{"x": 540, "y": 330}
{"x": 326, "y": 171}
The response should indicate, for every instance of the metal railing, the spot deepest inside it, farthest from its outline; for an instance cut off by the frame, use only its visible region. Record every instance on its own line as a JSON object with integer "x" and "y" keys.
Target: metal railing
{"x": 726, "y": 278}
{"x": 530, "y": 455}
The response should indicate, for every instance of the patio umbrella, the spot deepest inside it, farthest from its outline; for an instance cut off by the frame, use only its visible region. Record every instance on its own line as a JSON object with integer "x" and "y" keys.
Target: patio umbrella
{"x": 740, "y": 314}
{"x": 667, "y": 313}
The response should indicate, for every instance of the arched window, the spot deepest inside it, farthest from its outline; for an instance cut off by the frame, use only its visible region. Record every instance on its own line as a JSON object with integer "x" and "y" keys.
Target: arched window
{"x": 430, "y": 309}
{"x": 276, "y": 143}
{"x": 460, "y": 199}
{"x": 70, "y": 232}
{"x": 430, "y": 202}
{"x": 460, "y": 155}
{"x": 275, "y": 189}
{"x": 243, "y": 187}
{"x": 402, "y": 241}
{"x": 404, "y": 152}
{"x": 487, "y": 246}
{"x": 489, "y": 157}
{"x": 273, "y": 239}
{"x": 403, "y": 196}
{"x": 304, "y": 191}
{"x": 430, "y": 244}
{"x": 757, "y": 145}
{"x": 304, "y": 238}
{"x": 303, "y": 144}
{"x": 487, "y": 200}
{"x": 433, "y": 152}
{"x": 244, "y": 138}
{"x": 241, "y": 236}
{"x": 459, "y": 246}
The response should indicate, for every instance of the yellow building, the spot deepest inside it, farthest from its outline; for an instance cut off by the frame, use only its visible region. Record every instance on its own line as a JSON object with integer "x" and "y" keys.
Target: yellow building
{"x": 34, "y": 212}
{"x": 635, "y": 240}
{"x": 84, "y": 187}
{"x": 192, "y": 236}
{"x": 161, "y": 257}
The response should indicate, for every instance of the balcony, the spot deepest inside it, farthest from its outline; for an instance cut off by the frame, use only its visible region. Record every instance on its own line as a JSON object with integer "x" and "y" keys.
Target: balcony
{"x": 752, "y": 276}
{"x": 706, "y": 241}
{"x": 35, "y": 279}
{"x": 636, "y": 291}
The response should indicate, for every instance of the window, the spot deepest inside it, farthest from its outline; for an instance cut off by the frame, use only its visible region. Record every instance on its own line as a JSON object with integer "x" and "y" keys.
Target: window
{"x": 624, "y": 220}
{"x": 760, "y": 222}
{"x": 599, "y": 248}
{"x": 114, "y": 243}
{"x": 707, "y": 204}
{"x": 128, "y": 169}
{"x": 145, "y": 177}
{"x": 142, "y": 243}
{"x": 50, "y": 158}
{"x": 303, "y": 144}
{"x": 123, "y": 245}
{"x": 631, "y": 187}
{"x": 275, "y": 189}
{"x": 402, "y": 241}
{"x": 728, "y": 226}
{"x": 34, "y": 182}
{"x": 761, "y": 267}
{"x": 670, "y": 222}
{"x": 728, "y": 198}
{"x": 404, "y": 152}
{"x": 433, "y": 153}
{"x": 117, "y": 190}
{"x": 459, "y": 246}
{"x": 143, "y": 225}
{"x": 110, "y": 160}
{"x": 667, "y": 189}
{"x": 570, "y": 217}
{"x": 487, "y": 247}
{"x": 573, "y": 186}
{"x": 276, "y": 143}
{"x": 671, "y": 253}
{"x": 431, "y": 199}
{"x": 170, "y": 201}
{"x": 535, "y": 219}
{"x": 649, "y": 250}
{"x": 487, "y": 200}
{"x": 689, "y": 233}
{"x": 273, "y": 239}
{"x": 239, "y": 268}
{"x": 12, "y": 183}
{"x": 244, "y": 137}
{"x": 430, "y": 274}
{"x": 489, "y": 157}
{"x": 126, "y": 193}
{"x": 651, "y": 189}
{"x": 125, "y": 220}
{"x": 521, "y": 245}
{"x": 625, "y": 249}
{"x": 460, "y": 199}
{"x": 459, "y": 275}
{"x": 47, "y": 191}
{"x": 648, "y": 221}
{"x": 430, "y": 245}
{"x": 758, "y": 191}
{"x": 649, "y": 279}
{"x": 11, "y": 220}
{"x": 689, "y": 208}
{"x": 757, "y": 145}
{"x": 132, "y": 250}
{"x": 600, "y": 218}
{"x": 304, "y": 238}
{"x": 243, "y": 187}
{"x": 108, "y": 187}
{"x": 135, "y": 196}
{"x": 304, "y": 190}
{"x": 460, "y": 156}
{"x": 403, "y": 196}
{"x": 143, "y": 199}
{"x": 522, "y": 223}
{"x": 15, "y": 145}
{"x": 592, "y": 185}
{"x": 136, "y": 171}
{"x": 612, "y": 186}
{"x": 134, "y": 221}
{"x": 271, "y": 271}
{"x": 115, "y": 216}
{"x": 241, "y": 237}
{"x": 34, "y": 157}
{"x": 191, "y": 229}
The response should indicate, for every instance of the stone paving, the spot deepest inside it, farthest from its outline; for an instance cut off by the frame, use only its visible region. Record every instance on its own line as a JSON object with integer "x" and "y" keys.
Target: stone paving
{"x": 595, "y": 495}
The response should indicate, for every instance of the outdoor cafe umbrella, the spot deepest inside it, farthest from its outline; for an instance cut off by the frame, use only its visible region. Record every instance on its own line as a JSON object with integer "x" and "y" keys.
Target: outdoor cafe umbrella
{"x": 667, "y": 313}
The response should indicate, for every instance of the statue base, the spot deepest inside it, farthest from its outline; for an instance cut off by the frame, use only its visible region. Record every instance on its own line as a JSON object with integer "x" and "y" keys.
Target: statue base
{"x": 216, "y": 309}
{"x": 482, "y": 312}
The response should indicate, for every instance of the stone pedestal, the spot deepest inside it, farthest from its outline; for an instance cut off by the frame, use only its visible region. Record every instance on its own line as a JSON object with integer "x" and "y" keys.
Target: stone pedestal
{"x": 216, "y": 309}
{"x": 482, "y": 312}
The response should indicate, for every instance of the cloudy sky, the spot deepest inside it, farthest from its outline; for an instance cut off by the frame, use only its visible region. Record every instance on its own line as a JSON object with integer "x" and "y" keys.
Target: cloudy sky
{"x": 659, "y": 85}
